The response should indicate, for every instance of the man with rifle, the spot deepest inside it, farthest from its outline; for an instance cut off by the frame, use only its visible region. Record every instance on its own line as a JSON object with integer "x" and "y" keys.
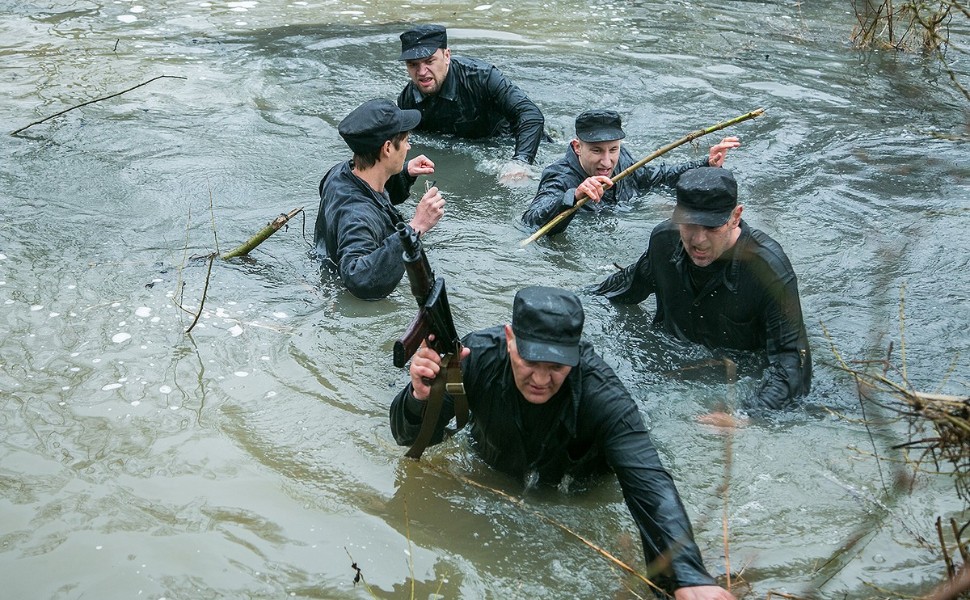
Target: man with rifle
{"x": 356, "y": 225}
{"x": 543, "y": 406}
{"x": 592, "y": 158}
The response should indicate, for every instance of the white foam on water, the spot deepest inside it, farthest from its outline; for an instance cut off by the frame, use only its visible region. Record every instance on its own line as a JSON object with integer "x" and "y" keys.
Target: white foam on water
{"x": 127, "y": 18}
{"x": 270, "y": 394}
{"x": 235, "y": 330}
{"x": 143, "y": 311}
{"x": 54, "y": 314}
{"x": 111, "y": 386}
{"x": 36, "y": 307}
{"x": 241, "y": 374}
{"x": 3, "y": 256}
{"x": 483, "y": 7}
{"x": 137, "y": 9}
{"x": 280, "y": 315}
{"x": 135, "y": 402}
{"x": 9, "y": 301}
{"x": 120, "y": 337}
{"x": 156, "y": 319}
{"x": 164, "y": 389}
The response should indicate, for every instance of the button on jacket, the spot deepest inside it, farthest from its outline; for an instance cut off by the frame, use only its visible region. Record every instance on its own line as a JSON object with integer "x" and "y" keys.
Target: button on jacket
{"x": 355, "y": 230}
{"x": 476, "y": 100}
{"x": 557, "y": 187}
{"x": 752, "y": 305}
{"x": 595, "y": 428}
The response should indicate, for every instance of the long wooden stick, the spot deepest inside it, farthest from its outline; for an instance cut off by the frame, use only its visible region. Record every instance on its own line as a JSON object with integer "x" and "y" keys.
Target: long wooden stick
{"x": 626, "y": 172}
{"x": 263, "y": 233}
{"x": 93, "y": 101}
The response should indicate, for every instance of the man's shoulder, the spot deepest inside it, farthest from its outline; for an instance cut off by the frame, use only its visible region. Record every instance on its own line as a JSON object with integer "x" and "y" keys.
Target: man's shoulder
{"x": 770, "y": 252}
{"x": 564, "y": 167}
{"x": 471, "y": 64}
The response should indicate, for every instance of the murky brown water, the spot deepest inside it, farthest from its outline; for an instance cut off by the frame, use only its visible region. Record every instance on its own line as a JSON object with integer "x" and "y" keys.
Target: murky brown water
{"x": 252, "y": 458}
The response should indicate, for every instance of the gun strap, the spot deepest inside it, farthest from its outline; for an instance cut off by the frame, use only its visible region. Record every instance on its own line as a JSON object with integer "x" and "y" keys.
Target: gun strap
{"x": 451, "y": 383}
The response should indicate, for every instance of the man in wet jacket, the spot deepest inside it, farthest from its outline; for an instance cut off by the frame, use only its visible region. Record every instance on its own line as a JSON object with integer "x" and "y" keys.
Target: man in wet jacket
{"x": 593, "y": 157}
{"x": 466, "y": 97}
{"x": 720, "y": 283}
{"x": 543, "y": 406}
{"x": 356, "y": 225}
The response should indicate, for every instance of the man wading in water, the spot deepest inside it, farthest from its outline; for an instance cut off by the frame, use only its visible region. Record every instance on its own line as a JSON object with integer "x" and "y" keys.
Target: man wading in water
{"x": 545, "y": 406}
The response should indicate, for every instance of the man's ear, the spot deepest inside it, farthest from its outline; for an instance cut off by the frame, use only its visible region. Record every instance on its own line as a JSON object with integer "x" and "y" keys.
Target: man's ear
{"x": 387, "y": 148}
{"x": 737, "y": 214}
{"x": 575, "y": 145}
{"x": 509, "y": 338}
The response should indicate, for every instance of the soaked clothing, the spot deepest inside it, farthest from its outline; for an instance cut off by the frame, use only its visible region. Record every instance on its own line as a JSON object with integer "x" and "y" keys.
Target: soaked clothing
{"x": 747, "y": 300}
{"x": 590, "y": 426}
{"x": 475, "y": 101}
{"x": 355, "y": 230}
{"x": 557, "y": 187}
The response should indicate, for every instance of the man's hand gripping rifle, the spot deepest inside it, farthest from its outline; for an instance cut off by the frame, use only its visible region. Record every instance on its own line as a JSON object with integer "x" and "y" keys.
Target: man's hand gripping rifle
{"x": 434, "y": 325}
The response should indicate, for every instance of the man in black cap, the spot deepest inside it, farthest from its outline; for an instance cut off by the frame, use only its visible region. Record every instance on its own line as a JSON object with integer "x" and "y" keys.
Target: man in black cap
{"x": 467, "y": 97}
{"x": 545, "y": 406}
{"x": 356, "y": 224}
{"x": 723, "y": 284}
{"x": 594, "y": 156}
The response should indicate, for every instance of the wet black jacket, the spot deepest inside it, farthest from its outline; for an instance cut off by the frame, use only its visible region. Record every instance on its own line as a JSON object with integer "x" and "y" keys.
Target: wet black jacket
{"x": 476, "y": 101}
{"x": 752, "y": 305}
{"x": 557, "y": 187}
{"x": 596, "y": 427}
{"x": 355, "y": 230}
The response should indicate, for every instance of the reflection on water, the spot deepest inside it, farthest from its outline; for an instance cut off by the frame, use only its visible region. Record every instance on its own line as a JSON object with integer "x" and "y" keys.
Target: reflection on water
{"x": 252, "y": 457}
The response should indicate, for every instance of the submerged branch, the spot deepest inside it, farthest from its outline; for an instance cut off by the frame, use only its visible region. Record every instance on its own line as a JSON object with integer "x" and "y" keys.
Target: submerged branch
{"x": 93, "y": 101}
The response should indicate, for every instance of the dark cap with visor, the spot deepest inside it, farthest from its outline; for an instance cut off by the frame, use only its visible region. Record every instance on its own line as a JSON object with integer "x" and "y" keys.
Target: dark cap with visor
{"x": 374, "y": 122}
{"x": 422, "y": 41}
{"x": 547, "y": 323}
{"x": 599, "y": 125}
{"x": 705, "y": 196}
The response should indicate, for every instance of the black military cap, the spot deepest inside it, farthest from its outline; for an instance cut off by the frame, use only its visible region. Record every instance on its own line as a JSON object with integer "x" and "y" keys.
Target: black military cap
{"x": 599, "y": 126}
{"x": 547, "y": 323}
{"x": 706, "y": 196}
{"x": 374, "y": 122}
{"x": 422, "y": 41}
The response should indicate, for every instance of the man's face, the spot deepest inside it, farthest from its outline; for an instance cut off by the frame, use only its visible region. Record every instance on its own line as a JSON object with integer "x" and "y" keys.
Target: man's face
{"x": 597, "y": 158}
{"x": 428, "y": 74}
{"x": 704, "y": 245}
{"x": 538, "y": 381}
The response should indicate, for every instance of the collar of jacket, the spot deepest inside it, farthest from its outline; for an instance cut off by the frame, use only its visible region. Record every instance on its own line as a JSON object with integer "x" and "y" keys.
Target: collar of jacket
{"x": 731, "y": 274}
{"x": 448, "y": 91}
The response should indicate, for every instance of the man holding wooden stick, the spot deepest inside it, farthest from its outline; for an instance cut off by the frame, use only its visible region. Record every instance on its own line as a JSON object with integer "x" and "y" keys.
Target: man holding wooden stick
{"x": 593, "y": 157}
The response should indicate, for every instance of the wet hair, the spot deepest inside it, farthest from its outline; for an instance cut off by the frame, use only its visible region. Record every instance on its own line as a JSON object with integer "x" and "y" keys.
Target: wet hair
{"x": 367, "y": 160}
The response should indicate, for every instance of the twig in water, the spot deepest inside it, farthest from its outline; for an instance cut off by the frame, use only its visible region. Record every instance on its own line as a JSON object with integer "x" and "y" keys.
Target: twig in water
{"x": 93, "y": 101}
{"x": 212, "y": 258}
{"x": 359, "y": 575}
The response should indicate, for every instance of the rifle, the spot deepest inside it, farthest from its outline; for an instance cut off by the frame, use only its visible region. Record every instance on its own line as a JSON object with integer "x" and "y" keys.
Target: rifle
{"x": 433, "y": 319}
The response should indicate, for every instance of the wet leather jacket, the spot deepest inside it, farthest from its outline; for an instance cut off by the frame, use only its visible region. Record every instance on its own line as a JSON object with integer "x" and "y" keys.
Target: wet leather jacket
{"x": 476, "y": 101}
{"x": 355, "y": 230}
{"x": 594, "y": 426}
{"x": 752, "y": 304}
{"x": 557, "y": 187}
